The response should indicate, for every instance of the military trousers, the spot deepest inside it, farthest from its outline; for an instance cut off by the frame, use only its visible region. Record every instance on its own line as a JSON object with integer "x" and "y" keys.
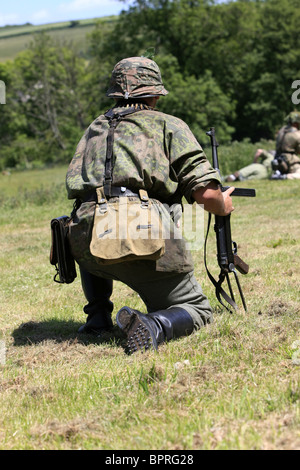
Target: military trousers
{"x": 158, "y": 290}
{"x": 254, "y": 171}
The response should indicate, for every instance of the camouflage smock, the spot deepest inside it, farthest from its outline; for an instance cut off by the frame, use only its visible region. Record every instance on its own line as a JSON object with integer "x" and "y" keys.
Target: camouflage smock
{"x": 152, "y": 151}
{"x": 288, "y": 144}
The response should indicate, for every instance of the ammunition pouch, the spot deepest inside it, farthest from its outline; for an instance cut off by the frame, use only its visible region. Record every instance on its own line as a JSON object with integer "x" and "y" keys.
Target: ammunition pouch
{"x": 60, "y": 254}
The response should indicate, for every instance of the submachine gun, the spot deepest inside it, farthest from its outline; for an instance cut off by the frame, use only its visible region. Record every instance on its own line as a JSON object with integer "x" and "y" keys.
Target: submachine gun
{"x": 228, "y": 260}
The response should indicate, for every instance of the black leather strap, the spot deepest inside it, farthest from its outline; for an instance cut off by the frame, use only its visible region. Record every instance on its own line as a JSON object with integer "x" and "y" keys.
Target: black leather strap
{"x": 115, "y": 192}
{"x": 113, "y": 118}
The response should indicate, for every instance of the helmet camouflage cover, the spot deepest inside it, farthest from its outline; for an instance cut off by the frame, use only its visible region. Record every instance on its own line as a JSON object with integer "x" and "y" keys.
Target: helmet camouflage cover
{"x": 136, "y": 77}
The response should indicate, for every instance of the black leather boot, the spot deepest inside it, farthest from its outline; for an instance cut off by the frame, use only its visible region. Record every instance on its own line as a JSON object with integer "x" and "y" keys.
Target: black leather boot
{"x": 97, "y": 291}
{"x": 148, "y": 331}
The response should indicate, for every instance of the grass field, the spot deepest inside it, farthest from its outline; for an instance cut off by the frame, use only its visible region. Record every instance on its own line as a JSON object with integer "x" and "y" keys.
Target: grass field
{"x": 232, "y": 385}
{"x": 16, "y": 39}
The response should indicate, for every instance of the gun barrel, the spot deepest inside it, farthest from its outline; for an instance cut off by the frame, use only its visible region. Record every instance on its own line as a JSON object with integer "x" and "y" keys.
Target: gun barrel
{"x": 214, "y": 146}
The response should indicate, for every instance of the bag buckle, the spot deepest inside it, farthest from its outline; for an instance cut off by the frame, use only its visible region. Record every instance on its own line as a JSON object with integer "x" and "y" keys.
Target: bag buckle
{"x": 144, "y": 198}
{"x": 101, "y": 200}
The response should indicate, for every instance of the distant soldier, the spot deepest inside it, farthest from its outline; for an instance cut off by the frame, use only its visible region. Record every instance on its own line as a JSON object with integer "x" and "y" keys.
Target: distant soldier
{"x": 286, "y": 164}
{"x": 258, "y": 170}
{"x": 143, "y": 155}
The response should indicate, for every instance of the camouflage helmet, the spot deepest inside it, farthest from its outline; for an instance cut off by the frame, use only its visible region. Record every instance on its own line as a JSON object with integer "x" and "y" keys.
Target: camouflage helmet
{"x": 136, "y": 77}
{"x": 294, "y": 116}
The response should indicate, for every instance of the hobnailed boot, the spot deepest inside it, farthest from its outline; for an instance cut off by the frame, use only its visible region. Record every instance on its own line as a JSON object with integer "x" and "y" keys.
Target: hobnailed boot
{"x": 148, "y": 331}
{"x": 97, "y": 291}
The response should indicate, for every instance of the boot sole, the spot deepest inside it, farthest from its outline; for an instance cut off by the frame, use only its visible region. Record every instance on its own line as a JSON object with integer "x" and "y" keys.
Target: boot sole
{"x": 139, "y": 336}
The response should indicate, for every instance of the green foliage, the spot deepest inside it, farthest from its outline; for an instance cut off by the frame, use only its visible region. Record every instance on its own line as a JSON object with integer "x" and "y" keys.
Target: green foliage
{"x": 198, "y": 102}
{"x": 44, "y": 115}
{"x": 227, "y": 65}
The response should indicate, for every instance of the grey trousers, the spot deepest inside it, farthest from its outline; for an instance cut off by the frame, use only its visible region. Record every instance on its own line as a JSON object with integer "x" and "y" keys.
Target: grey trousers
{"x": 159, "y": 290}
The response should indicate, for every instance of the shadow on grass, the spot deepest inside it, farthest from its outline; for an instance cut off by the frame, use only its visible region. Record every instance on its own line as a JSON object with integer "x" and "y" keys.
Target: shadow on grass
{"x": 59, "y": 331}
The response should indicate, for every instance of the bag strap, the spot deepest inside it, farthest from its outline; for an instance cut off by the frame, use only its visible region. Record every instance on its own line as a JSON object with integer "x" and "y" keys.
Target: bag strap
{"x": 113, "y": 119}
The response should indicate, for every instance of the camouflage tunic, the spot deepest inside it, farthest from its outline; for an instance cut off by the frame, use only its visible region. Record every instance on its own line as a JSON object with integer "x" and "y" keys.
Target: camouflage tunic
{"x": 288, "y": 144}
{"x": 152, "y": 151}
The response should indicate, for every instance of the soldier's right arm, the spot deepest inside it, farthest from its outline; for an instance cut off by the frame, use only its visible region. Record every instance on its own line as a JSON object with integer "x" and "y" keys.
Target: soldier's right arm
{"x": 214, "y": 200}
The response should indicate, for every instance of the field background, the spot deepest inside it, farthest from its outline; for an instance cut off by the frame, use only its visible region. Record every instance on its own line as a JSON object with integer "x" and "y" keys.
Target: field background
{"x": 14, "y": 39}
{"x": 232, "y": 385}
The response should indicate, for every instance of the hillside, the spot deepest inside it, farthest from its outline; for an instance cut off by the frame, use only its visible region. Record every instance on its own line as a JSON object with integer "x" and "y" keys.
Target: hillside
{"x": 14, "y": 39}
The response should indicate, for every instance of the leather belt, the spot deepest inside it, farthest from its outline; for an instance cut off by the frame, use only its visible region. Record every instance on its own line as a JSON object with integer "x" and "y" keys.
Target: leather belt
{"x": 115, "y": 192}
{"x": 122, "y": 191}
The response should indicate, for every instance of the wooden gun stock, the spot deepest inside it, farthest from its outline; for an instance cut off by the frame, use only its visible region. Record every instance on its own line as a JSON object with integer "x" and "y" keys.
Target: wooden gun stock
{"x": 240, "y": 265}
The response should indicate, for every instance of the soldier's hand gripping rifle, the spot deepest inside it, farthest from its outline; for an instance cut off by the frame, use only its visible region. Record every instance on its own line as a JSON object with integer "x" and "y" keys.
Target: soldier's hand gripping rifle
{"x": 228, "y": 260}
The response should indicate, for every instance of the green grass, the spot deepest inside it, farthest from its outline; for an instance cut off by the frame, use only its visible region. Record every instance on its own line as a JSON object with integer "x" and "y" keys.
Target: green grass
{"x": 231, "y": 385}
{"x": 17, "y": 38}
{"x": 20, "y": 30}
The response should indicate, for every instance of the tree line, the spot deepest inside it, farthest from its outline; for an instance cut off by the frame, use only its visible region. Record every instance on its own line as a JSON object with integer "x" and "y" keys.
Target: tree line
{"x": 230, "y": 65}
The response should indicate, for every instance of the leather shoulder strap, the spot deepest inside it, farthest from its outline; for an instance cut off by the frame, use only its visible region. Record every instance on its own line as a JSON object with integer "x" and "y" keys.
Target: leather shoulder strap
{"x": 113, "y": 118}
